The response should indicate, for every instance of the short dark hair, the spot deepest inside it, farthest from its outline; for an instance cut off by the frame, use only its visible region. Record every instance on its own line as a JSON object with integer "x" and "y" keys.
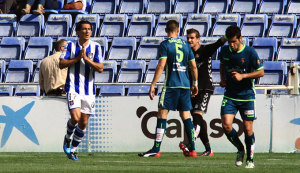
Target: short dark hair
{"x": 232, "y": 31}
{"x": 79, "y": 24}
{"x": 192, "y": 30}
{"x": 172, "y": 26}
{"x": 59, "y": 44}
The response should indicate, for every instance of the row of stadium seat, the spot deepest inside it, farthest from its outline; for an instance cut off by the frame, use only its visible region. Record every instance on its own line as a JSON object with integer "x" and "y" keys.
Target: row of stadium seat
{"x": 126, "y": 48}
{"x": 132, "y": 71}
{"x": 116, "y": 25}
{"x": 130, "y": 7}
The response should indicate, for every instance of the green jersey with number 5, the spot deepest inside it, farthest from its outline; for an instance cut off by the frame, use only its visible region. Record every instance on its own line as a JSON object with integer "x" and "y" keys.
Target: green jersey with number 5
{"x": 178, "y": 53}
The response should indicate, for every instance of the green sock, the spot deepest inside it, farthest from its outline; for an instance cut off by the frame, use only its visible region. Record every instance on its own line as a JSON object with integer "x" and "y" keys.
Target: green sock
{"x": 160, "y": 131}
{"x": 234, "y": 139}
{"x": 189, "y": 129}
{"x": 250, "y": 143}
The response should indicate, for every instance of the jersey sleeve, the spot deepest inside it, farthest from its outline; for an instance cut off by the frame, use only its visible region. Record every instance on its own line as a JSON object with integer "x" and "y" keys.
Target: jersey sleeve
{"x": 98, "y": 54}
{"x": 162, "y": 51}
{"x": 66, "y": 53}
{"x": 255, "y": 61}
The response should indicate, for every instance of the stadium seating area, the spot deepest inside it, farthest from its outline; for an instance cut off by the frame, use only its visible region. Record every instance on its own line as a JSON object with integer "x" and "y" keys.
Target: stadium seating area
{"x": 130, "y": 31}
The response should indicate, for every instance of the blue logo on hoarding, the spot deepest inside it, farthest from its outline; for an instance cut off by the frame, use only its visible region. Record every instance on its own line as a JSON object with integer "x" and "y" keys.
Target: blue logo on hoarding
{"x": 17, "y": 119}
{"x": 295, "y": 121}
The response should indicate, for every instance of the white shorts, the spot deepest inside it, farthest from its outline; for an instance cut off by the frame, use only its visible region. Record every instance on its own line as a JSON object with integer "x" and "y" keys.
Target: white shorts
{"x": 85, "y": 102}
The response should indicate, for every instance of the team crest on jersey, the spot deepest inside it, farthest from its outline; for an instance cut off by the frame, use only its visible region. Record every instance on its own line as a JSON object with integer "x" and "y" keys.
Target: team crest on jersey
{"x": 242, "y": 60}
{"x": 258, "y": 61}
{"x": 91, "y": 55}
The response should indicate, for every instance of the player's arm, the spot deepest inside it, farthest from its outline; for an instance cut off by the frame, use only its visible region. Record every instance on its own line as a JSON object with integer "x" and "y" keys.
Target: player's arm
{"x": 95, "y": 65}
{"x": 222, "y": 76}
{"x": 255, "y": 74}
{"x": 41, "y": 80}
{"x": 158, "y": 71}
{"x": 65, "y": 60}
{"x": 194, "y": 73}
{"x": 212, "y": 48}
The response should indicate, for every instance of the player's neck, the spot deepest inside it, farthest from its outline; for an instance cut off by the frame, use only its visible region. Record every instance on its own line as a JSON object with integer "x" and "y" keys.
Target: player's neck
{"x": 83, "y": 42}
{"x": 196, "y": 47}
{"x": 173, "y": 34}
{"x": 241, "y": 47}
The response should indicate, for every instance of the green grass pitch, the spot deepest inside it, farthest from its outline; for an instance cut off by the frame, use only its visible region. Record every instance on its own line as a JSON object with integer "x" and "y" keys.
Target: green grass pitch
{"x": 130, "y": 162}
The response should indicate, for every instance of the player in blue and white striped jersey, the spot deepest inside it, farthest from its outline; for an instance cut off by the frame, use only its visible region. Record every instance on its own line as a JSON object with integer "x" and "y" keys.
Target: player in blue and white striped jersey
{"x": 82, "y": 58}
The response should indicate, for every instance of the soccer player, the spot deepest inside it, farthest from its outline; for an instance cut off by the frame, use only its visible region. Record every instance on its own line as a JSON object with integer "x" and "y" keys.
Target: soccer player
{"x": 203, "y": 55}
{"x": 176, "y": 57}
{"x": 239, "y": 66}
{"x": 82, "y": 58}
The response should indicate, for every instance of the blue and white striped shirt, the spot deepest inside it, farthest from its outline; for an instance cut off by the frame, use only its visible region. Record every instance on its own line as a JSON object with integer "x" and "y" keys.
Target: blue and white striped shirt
{"x": 80, "y": 78}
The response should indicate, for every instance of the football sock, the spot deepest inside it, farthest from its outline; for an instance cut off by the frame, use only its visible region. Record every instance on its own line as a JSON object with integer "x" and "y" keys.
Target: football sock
{"x": 234, "y": 139}
{"x": 161, "y": 126}
{"x": 70, "y": 129}
{"x": 189, "y": 130}
{"x": 203, "y": 130}
{"x": 250, "y": 144}
{"x": 196, "y": 132}
{"x": 77, "y": 138}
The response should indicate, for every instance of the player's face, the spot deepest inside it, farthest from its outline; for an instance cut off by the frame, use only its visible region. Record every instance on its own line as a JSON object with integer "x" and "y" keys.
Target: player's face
{"x": 193, "y": 40}
{"x": 85, "y": 32}
{"x": 235, "y": 43}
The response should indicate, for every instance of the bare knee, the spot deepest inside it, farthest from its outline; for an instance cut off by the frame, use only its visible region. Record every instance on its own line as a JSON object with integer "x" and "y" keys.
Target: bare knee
{"x": 227, "y": 127}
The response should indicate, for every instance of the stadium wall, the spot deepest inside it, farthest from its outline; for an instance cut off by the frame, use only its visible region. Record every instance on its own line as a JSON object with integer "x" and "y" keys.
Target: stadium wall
{"x": 127, "y": 124}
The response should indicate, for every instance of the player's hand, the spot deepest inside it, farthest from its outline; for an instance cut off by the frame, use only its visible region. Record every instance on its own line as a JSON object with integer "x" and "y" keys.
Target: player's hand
{"x": 194, "y": 91}
{"x": 223, "y": 83}
{"x": 83, "y": 53}
{"x": 152, "y": 92}
{"x": 236, "y": 76}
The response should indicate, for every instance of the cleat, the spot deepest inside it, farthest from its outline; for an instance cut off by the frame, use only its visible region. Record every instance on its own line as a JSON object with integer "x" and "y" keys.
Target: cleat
{"x": 184, "y": 149}
{"x": 249, "y": 164}
{"x": 73, "y": 156}
{"x": 207, "y": 153}
{"x": 193, "y": 153}
{"x": 67, "y": 146}
{"x": 149, "y": 153}
{"x": 239, "y": 158}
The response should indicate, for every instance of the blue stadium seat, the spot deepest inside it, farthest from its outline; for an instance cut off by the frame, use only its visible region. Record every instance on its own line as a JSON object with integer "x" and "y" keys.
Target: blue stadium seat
{"x": 219, "y": 91}
{"x": 68, "y": 38}
{"x": 8, "y": 25}
{"x": 148, "y": 49}
{"x": 2, "y": 70}
{"x": 150, "y": 72}
{"x": 114, "y": 25}
{"x": 93, "y": 18}
{"x": 30, "y": 25}
{"x": 297, "y": 34}
{"x": 138, "y": 90}
{"x": 159, "y": 6}
{"x": 254, "y": 25}
{"x": 58, "y": 25}
{"x": 289, "y": 50}
{"x": 131, "y": 71}
{"x": 214, "y": 7}
{"x": 141, "y": 25}
{"x": 109, "y": 73}
{"x": 186, "y": 7}
{"x": 103, "y": 43}
{"x": 131, "y": 7}
{"x": 215, "y": 71}
{"x": 36, "y": 75}
{"x": 223, "y": 21}
{"x": 38, "y": 48}
{"x": 60, "y": 4}
{"x": 283, "y": 25}
{"x": 244, "y": 6}
{"x": 122, "y": 48}
{"x": 6, "y": 90}
{"x": 162, "y": 22}
{"x": 209, "y": 40}
{"x": 275, "y": 73}
{"x": 112, "y": 90}
{"x": 293, "y": 7}
{"x": 12, "y": 48}
{"x": 271, "y": 7}
{"x": 201, "y": 22}
{"x": 19, "y": 71}
{"x": 86, "y": 11}
{"x": 266, "y": 48}
{"x": 103, "y": 7}
{"x": 27, "y": 90}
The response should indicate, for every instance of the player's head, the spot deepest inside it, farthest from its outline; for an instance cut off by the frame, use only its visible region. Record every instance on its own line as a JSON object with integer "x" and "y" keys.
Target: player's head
{"x": 59, "y": 45}
{"x": 84, "y": 29}
{"x": 193, "y": 37}
{"x": 233, "y": 34}
{"x": 172, "y": 27}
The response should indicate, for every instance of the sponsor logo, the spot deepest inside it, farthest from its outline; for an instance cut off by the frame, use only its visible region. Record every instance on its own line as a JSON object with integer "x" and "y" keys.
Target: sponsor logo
{"x": 249, "y": 112}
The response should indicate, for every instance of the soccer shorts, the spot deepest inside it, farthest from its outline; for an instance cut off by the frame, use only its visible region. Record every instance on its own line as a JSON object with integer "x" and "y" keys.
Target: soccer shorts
{"x": 246, "y": 108}
{"x": 86, "y": 103}
{"x": 200, "y": 101}
{"x": 175, "y": 99}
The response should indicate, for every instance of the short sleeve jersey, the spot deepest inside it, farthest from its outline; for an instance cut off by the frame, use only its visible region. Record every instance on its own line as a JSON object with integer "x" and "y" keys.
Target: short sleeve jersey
{"x": 245, "y": 60}
{"x": 80, "y": 77}
{"x": 178, "y": 53}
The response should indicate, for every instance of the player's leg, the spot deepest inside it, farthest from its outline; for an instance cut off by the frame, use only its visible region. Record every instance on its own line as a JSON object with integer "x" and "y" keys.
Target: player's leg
{"x": 228, "y": 111}
{"x": 189, "y": 130}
